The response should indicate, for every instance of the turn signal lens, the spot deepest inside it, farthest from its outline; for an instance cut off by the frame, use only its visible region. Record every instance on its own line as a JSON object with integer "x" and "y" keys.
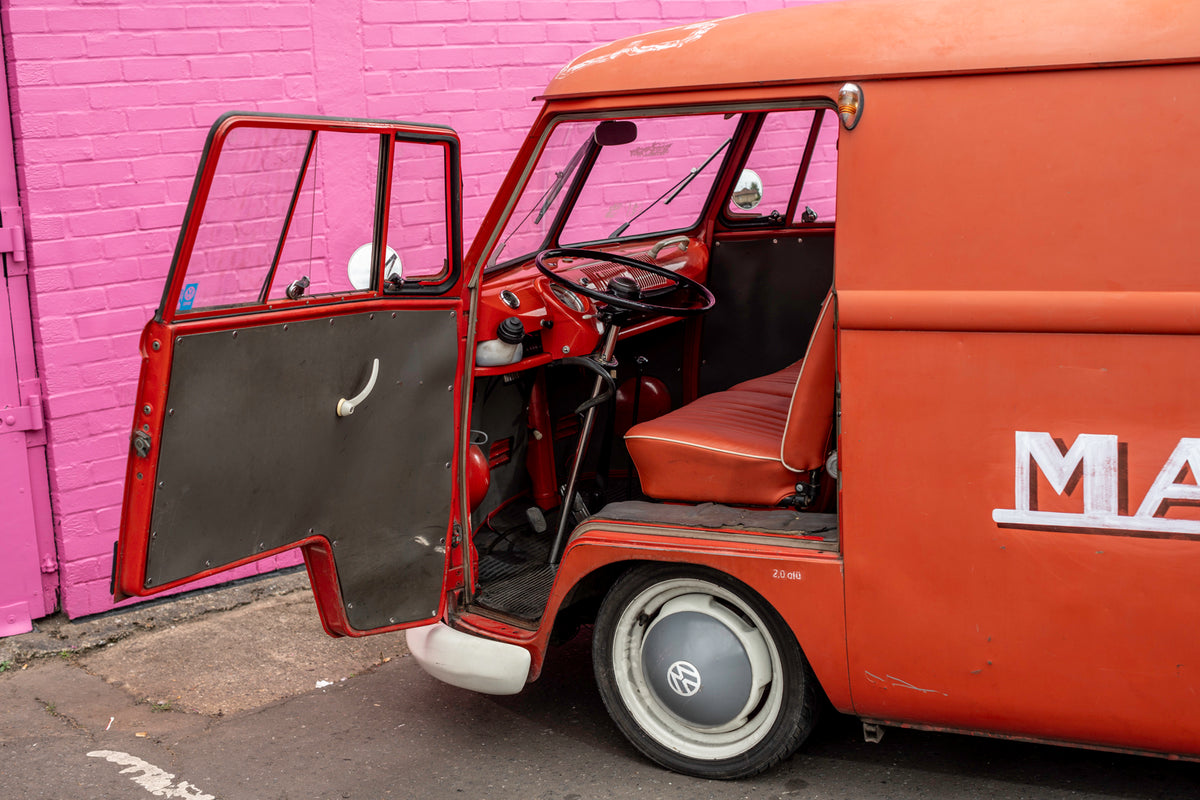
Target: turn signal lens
{"x": 850, "y": 105}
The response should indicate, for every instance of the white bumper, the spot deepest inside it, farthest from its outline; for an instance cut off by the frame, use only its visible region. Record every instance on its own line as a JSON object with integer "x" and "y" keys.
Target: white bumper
{"x": 470, "y": 662}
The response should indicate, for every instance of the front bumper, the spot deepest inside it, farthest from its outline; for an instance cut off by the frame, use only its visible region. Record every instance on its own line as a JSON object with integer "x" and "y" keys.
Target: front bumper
{"x": 469, "y": 662}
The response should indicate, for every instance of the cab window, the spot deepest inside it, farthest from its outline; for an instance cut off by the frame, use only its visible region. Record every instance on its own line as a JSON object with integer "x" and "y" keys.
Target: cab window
{"x": 789, "y": 176}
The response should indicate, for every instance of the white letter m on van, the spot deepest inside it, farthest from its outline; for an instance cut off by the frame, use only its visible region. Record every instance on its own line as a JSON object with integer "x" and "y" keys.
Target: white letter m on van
{"x": 1094, "y": 460}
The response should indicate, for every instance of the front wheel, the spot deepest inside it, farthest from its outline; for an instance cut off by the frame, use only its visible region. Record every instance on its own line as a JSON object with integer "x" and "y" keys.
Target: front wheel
{"x": 700, "y": 673}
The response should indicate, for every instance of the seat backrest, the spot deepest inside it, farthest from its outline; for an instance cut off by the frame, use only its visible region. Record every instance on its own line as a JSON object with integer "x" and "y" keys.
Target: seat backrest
{"x": 810, "y": 415}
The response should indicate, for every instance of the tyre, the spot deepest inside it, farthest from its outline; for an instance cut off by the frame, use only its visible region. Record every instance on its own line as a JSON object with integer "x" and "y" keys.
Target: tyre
{"x": 700, "y": 673}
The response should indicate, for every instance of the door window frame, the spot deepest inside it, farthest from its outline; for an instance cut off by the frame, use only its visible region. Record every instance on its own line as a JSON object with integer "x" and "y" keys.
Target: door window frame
{"x": 389, "y": 133}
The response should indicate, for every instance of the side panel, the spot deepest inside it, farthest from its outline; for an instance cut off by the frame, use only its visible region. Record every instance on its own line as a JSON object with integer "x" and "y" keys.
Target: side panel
{"x": 1064, "y": 235}
{"x": 1070, "y": 633}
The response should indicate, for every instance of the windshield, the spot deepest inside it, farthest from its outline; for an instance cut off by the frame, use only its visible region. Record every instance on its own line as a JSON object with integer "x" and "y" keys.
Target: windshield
{"x": 654, "y": 184}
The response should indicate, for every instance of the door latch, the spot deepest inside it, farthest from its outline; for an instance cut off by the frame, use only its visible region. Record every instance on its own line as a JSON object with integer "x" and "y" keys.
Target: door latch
{"x": 141, "y": 443}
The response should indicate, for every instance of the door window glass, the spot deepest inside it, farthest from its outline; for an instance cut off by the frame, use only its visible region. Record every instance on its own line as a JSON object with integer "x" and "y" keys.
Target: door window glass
{"x": 334, "y": 215}
{"x": 416, "y": 233}
{"x": 291, "y": 212}
{"x": 243, "y": 217}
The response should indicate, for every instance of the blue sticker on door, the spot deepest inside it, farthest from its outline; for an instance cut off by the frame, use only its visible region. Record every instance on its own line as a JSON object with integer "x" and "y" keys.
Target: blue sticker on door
{"x": 188, "y": 297}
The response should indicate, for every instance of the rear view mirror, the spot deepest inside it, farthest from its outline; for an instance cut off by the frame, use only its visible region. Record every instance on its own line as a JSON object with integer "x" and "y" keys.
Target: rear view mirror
{"x": 615, "y": 131}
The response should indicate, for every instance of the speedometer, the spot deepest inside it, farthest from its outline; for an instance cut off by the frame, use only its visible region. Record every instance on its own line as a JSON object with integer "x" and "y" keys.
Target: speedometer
{"x": 567, "y": 298}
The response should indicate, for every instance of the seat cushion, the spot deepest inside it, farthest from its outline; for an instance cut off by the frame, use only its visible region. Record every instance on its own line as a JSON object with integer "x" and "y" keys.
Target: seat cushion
{"x": 721, "y": 448}
{"x": 780, "y": 383}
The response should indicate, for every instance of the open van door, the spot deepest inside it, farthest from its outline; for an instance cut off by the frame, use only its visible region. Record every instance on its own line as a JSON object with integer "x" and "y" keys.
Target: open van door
{"x": 300, "y": 378}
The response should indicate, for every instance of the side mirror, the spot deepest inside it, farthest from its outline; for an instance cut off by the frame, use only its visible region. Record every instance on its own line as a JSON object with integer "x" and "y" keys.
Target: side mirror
{"x": 747, "y": 194}
{"x": 362, "y": 260}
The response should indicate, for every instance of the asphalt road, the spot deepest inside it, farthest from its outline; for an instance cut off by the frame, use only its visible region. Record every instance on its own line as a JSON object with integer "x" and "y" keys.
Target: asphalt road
{"x": 393, "y": 732}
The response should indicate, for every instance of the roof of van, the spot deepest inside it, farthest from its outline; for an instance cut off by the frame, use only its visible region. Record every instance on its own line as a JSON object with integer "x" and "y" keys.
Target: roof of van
{"x": 860, "y": 39}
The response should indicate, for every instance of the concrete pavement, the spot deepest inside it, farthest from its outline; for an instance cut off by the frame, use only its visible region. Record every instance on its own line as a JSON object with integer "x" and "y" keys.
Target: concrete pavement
{"x": 216, "y": 696}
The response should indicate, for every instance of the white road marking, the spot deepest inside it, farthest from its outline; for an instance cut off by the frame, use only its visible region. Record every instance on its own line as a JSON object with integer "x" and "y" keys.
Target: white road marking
{"x": 157, "y": 782}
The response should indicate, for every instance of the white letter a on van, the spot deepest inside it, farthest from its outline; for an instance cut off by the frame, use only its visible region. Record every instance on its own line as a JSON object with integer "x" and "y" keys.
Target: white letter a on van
{"x": 1166, "y": 487}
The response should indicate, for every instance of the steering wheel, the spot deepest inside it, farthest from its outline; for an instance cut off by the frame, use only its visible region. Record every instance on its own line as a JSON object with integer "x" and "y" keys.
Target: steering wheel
{"x": 625, "y": 293}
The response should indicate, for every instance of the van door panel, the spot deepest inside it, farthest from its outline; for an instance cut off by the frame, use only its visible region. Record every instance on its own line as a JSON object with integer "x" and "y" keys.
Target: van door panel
{"x": 255, "y": 457}
{"x": 319, "y": 260}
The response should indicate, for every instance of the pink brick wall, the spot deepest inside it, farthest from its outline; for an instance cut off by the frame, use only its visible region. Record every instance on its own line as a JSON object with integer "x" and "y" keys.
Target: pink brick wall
{"x": 111, "y": 104}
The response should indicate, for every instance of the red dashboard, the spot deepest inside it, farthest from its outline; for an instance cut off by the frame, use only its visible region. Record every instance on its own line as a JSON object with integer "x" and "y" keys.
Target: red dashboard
{"x": 559, "y": 322}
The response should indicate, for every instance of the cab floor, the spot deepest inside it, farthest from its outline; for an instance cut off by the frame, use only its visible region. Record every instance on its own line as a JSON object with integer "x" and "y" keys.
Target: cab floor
{"x": 513, "y": 574}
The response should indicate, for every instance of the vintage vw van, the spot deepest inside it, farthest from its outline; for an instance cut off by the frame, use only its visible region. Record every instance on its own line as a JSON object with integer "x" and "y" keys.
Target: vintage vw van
{"x": 834, "y": 351}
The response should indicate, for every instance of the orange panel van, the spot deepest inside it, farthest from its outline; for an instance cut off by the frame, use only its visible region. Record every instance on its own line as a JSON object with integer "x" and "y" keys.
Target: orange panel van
{"x": 834, "y": 352}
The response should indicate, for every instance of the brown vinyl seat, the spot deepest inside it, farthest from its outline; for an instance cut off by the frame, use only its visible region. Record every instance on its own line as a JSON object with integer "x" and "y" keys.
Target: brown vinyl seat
{"x": 748, "y": 445}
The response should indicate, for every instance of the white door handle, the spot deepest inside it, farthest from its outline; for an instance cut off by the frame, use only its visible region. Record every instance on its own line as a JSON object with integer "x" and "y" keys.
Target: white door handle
{"x": 346, "y": 407}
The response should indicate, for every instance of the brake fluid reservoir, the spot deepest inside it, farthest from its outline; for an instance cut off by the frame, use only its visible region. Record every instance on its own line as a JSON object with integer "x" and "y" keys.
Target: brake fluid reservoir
{"x": 506, "y": 349}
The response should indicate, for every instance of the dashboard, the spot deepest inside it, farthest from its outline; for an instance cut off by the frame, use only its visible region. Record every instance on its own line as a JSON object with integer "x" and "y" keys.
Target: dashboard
{"x": 558, "y": 322}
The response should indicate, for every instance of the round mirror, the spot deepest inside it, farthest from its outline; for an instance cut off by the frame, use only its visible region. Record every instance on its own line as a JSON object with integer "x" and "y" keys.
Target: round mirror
{"x": 747, "y": 194}
{"x": 358, "y": 269}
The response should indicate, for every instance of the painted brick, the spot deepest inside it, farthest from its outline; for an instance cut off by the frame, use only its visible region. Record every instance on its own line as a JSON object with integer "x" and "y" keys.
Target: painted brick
{"x": 58, "y": 150}
{"x": 96, "y": 223}
{"x": 152, "y": 17}
{"x": 283, "y": 15}
{"x": 84, "y": 19}
{"x": 388, "y": 12}
{"x": 217, "y": 16}
{"x": 220, "y": 66}
{"x": 91, "y": 123}
{"x": 53, "y": 98}
{"x": 32, "y": 73}
{"x": 78, "y": 352}
{"x": 187, "y": 43}
{"x": 87, "y": 71}
{"x": 65, "y": 404}
{"x": 128, "y": 95}
{"x": 93, "y": 173}
{"x": 435, "y": 11}
{"x": 101, "y": 44}
{"x": 90, "y": 325}
{"x": 22, "y": 21}
{"x": 45, "y": 46}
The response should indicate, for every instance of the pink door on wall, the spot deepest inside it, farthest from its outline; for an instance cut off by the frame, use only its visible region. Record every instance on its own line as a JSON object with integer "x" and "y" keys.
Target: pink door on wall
{"x": 28, "y": 569}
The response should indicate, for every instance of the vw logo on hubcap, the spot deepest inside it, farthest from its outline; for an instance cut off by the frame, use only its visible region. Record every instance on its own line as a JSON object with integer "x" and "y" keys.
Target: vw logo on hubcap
{"x": 683, "y": 678}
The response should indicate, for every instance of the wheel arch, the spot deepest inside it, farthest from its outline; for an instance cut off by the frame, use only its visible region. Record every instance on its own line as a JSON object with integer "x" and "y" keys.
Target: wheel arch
{"x": 813, "y": 609}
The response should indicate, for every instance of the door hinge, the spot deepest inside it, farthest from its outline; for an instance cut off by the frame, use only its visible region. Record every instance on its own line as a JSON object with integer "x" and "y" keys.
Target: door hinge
{"x": 12, "y": 240}
{"x": 23, "y": 418}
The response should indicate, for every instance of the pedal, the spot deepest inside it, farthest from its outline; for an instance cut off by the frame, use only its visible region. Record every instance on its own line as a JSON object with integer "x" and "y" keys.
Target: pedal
{"x": 537, "y": 520}
{"x": 579, "y": 508}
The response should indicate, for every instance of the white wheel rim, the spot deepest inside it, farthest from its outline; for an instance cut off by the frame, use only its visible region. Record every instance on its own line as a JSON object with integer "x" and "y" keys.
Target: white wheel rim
{"x": 658, "y": 722}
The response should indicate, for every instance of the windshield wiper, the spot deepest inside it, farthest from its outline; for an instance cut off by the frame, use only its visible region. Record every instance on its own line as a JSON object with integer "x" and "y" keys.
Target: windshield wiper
{"x": 670, "y": 194}
{"x": 545, "y": 201}
{"x": 559, "y": 182}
